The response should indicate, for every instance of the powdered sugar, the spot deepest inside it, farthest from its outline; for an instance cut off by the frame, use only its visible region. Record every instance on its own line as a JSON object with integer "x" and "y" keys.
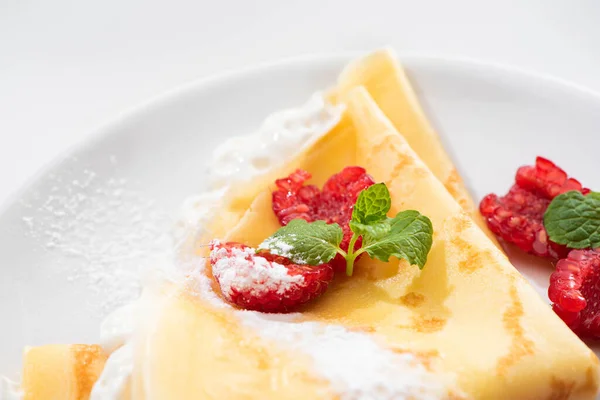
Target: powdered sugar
{"x": 107, "y": 229}
{"x": 240, "y": 270}
{"x": 357, "y": 366}
{"x": 279, "y": 247}
{"x": 196, "y": 212}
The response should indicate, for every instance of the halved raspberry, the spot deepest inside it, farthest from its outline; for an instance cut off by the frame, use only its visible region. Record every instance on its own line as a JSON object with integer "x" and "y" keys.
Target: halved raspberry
{"x": 518, "y": 217}
{"x": 265, "y": 282}
{"x": 294, "y": 200}
{"x": 575, "y": 291}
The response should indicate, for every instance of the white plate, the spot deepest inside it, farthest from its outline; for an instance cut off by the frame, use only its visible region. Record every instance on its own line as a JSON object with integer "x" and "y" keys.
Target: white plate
{"x": 94, "y": 206}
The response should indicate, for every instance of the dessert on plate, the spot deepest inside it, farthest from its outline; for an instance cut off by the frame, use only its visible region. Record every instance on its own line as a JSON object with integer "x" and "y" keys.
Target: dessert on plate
{"x": 348, "y": 261}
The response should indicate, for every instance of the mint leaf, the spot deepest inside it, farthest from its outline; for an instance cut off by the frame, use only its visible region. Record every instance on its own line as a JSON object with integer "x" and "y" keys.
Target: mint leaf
{"x": 372, "y": 204}
{"x": 376, "y": 229}
{"x": 410, "y": 237}
{"x": 302, "y": 242}
{"x": 573, "y": 219}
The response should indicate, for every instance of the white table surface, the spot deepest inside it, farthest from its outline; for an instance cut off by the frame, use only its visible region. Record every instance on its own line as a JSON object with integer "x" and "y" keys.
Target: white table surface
{"x": 69, "y": 66}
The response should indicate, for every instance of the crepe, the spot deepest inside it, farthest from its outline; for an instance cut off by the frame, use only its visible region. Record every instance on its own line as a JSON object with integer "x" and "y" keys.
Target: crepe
{"x": 61, "y": 371}
{"x": 383, "y": 77}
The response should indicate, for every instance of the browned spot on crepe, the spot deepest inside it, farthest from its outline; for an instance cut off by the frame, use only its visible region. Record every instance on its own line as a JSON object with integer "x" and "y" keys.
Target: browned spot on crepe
{"x": 520, "y": 346}
{"x": 412, "y": 299}
{"x": 365, "y": 329}
{"x": 462, "y": 222}
{"x": 385, "y": 144}
{"x": 475, "y": 261}
{"x": 561, "y": 389}
{"x": 88, "y": 363}
{"x": 425, "y": 324}
{"x": 471, "y": 258}
{"x": 403, "y": 162}
{"x": 591, "y": 380}
{"x": 379, "y": 148}
{"x": 428, "y": 325}
{"x": 455, "y": 187}
{"x": 426, "y": 357}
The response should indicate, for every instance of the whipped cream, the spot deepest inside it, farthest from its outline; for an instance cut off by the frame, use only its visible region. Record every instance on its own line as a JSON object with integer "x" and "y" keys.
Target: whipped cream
{"x": 116, "y": 374}
{"x": 9, "y": 390}
{"x": 241, "y": 158}
{"x": 116, "y": 329}
{"x": 115, "y": 335}
{"x": 281, "y": 135}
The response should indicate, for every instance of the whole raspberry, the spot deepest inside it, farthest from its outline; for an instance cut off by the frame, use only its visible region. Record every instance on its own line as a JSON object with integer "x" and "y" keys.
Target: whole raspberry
{"x": 575, "y": 291}
{"x": 518, "y": 217}
{"x": 265, "y": 282}
{"x": 334, "y": 203}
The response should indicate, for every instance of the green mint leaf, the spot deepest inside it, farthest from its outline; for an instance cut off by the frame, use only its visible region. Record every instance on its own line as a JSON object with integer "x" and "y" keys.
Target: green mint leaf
{"x": 372, "y": 204}
{"x": 373, "y": 230}
{"x": 410, "y": 237}
{"x": 573, "y": 219}
{"x": 302, "y": 242}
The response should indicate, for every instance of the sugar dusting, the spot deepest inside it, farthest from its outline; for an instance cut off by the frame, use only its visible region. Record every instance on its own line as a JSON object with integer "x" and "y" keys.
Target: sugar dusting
{"x": 240, "y": 270}
{"x": 357, "y": 366}
{"x": 107, "y": 227}
{"x": 282, "y": 248}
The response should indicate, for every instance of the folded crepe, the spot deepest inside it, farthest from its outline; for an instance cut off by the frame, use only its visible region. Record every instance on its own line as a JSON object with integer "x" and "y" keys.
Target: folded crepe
{"x": 383, "y": 77}
{"x": 467, "y": 325}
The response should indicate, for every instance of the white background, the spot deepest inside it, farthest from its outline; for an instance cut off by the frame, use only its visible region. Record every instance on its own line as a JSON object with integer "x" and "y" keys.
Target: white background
{"x": 68, "y": 66}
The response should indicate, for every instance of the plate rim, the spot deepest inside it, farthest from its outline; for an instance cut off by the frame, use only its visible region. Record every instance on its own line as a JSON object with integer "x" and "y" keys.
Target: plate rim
{"x": 107, "y": 128}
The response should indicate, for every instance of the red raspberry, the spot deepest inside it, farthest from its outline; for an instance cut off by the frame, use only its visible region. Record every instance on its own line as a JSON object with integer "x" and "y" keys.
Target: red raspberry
{"x": 518, "y": 217}
{"x": 575, "y": 291}
{"x": 265, "y": 282}
{"x": 294, "y": 200}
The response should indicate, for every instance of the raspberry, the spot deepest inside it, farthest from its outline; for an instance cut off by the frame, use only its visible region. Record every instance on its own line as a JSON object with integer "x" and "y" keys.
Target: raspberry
{"x": 518, "y": 217}
{"x": 265, "y": 282}
{"x": 575, "y": 291}
{"x": 294, "y": 200}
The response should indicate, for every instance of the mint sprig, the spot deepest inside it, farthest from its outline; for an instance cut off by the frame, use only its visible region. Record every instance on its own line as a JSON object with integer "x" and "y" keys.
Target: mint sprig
{"x": 406, "y": 236}
{"x": 573, "y": 219}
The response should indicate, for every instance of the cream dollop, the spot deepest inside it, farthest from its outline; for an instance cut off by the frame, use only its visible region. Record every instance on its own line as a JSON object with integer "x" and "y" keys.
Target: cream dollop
{"x": 117, "y": 327}
{"x": 9, "y": 390}
{"x": 281, "y": 135}
{"x": 116, "y": 374}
